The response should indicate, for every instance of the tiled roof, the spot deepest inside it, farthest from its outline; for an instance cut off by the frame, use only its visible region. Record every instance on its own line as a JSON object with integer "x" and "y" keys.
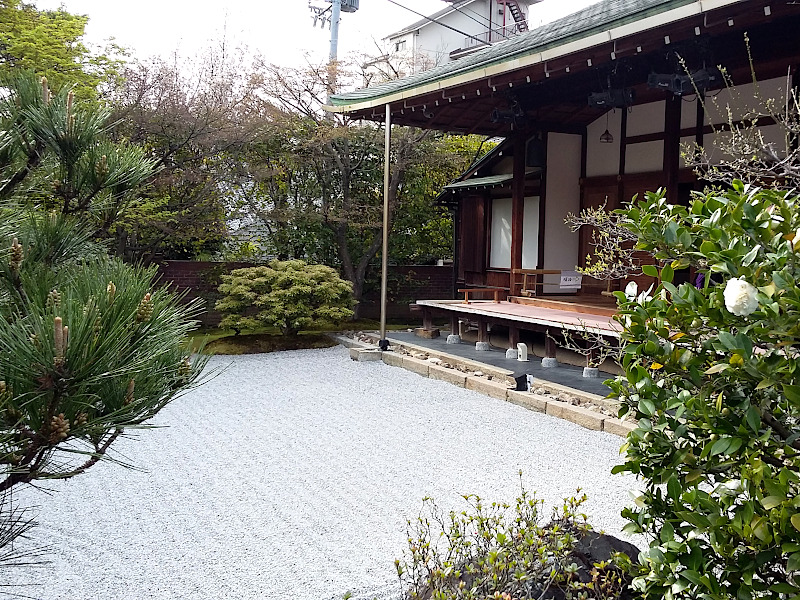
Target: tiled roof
{"x": 593, "y": 19}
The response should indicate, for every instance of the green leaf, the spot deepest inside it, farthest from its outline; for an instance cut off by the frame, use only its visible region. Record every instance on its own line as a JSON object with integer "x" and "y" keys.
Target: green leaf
{"x": 770, "y": 502}
{"x": 753, "y": 419}
{"x": 793, "y": 564}
{"x": 647, "y": 407}
{"x": 718, "y": 368}
{"x": 750, "y": 256}
{"x": 650, "y": 270}
{"x": 792, "y": 393}
{"x": 667, "y": 274}
{"x": 796, "y": 521}
{"x": 720, "y": 446}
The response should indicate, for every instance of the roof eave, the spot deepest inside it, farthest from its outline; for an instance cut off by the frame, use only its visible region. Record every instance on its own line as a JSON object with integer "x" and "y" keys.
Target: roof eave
{"x": 514, "y": 62}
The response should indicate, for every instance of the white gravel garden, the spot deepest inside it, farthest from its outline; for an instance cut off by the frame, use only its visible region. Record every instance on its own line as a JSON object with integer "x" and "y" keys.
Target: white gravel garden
{"x": 291, "y": 475}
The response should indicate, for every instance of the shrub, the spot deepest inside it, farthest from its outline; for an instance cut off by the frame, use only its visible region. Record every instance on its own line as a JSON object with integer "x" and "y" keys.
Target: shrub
{"x": 712, "y": 375}
{"x": 494, "y": 551}
{"x": 290, "y": 295}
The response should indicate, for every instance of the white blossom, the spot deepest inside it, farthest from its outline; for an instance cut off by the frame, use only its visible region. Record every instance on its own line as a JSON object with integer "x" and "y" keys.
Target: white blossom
{"x": 740, "y": 297}
{"x": 631, "y": 290}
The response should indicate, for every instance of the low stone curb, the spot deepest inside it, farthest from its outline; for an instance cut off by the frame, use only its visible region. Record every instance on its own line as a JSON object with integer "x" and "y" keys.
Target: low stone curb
{"x": 496, "y": 387}
{"x": 490, "y": 387}
{"x": 449, "y": 375}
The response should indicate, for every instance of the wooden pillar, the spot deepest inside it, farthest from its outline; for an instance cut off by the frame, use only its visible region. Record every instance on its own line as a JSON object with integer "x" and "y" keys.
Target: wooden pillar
{"x": 517, "y": 202}
{"x": 427, "y": 318}
{"x": 623, "y": 147}
{"x": 672, "y": 145}
{"x": 483, "y": 332}
{"x": 454, "y": 324}
{"x": 550, "y": 347}
{"x": 513, "y": 336}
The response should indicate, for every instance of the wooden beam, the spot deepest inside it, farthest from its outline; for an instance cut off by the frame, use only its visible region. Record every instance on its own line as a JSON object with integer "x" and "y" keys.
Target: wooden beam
{"x": 623, "y": 134}
{"x": 518, "y": 200}
{"x": 672, "y": 145}
{"x": 542, "y": 213}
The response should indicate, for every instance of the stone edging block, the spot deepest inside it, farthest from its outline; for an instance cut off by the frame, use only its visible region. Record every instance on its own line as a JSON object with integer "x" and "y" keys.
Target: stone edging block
{"x": 493, "y": 388}
{"x": 449, "y": 375}
{"x": 416, "y": 365}
{"x": 393, "y": 359}
{"x": 576, "y": 414}
{"x": 528, "y": 400}
{"x": 617, "y": 427}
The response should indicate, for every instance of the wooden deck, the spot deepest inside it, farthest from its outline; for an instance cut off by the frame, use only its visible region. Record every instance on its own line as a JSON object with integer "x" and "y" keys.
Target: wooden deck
{"x": 542, "y": 315}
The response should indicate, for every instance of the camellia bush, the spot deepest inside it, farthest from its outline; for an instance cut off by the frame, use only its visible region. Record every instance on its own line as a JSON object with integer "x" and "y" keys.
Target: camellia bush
{"x": 290, "y": 295}
{"x": 712, "y": 375}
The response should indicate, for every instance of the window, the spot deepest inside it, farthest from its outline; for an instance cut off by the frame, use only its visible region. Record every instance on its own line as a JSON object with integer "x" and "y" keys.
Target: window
{"x": 400, "y": 46}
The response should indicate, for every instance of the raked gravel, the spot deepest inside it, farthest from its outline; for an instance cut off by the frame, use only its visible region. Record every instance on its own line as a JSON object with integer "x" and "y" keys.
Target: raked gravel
{"x": 290, "y": 476}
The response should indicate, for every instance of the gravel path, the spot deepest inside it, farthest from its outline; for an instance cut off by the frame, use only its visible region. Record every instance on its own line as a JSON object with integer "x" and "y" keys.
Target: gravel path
{"x": 290, "y": 475}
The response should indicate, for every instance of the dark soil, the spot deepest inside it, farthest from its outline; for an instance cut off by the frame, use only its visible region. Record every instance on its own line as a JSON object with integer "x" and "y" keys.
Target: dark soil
{"x": 264, "y": 342}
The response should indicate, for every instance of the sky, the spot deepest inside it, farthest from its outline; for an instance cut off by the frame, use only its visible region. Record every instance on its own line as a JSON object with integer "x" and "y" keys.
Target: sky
{"x": 280, "y": 30}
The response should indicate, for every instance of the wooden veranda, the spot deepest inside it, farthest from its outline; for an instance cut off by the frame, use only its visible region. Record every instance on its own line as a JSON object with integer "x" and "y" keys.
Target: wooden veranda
{"x": 549, "y": 316}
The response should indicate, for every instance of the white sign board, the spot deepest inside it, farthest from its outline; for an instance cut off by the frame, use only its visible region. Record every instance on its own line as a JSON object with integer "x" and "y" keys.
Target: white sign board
{"x": 570, "y": 280}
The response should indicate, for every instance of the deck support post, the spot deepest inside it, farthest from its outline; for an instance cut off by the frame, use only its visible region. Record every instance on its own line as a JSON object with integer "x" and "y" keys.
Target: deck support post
{"x": 427, "y": 330}
{"x": 550, "y": 350}
{"x": 483, "y": 333}
{"x": 427, "y": 318}
{"x": 513, "y": 336}
{"x": 454, "y": 325}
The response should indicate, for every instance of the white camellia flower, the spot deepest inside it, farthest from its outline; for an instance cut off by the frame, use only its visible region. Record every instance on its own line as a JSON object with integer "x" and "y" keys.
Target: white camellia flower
{"x": 740, "y": 297}
{"x": 645, "y": 296}
{"x": 631, "y": 290}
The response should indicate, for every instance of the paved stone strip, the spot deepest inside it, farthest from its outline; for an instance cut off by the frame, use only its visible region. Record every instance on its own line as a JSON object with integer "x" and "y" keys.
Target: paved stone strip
{"x": 498, "y": 388}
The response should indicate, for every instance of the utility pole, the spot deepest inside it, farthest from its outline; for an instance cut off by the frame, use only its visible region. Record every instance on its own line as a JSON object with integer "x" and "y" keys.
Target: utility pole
{"x": 335, "y": 15}
{"x": 322, "y": 15}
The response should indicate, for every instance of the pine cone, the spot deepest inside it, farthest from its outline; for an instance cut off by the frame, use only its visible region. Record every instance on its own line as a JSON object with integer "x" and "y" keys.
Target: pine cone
{"x": 145, "y": 310}
{"x": 16, "y": 255}
{"x": 53, "y": 299}
{"x": 59, "y": 428}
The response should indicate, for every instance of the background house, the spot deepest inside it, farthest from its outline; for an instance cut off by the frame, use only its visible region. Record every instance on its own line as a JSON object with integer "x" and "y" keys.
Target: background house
{"x": 461, "y": 27}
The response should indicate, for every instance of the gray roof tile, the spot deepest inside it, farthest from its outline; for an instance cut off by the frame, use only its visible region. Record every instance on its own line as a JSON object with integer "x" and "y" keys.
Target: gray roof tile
{"x": 594, "y": 18}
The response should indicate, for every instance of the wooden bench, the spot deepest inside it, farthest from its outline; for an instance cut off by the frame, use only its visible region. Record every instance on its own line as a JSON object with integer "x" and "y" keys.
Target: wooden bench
{"x": 495, "y": 291}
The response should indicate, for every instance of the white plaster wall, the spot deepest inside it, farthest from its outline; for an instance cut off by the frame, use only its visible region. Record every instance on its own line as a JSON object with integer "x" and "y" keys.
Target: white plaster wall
{"x": 646, "y": 118}
{"x": 500, "y": 251}
{"x": 602, "y": 159}
{"x": 771, "y": 134}
{"x": 688, "y": 112}
{"x": 563, "y": 196}
{"x": 505, "y": 166}
{"x": 744, "y": 98}
{"x": 530, "y": 233}
{"x": 644, "y": 157}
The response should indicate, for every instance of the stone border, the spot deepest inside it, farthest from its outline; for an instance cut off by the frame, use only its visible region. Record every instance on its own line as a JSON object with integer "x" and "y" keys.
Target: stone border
{"x": 495, "y": 383}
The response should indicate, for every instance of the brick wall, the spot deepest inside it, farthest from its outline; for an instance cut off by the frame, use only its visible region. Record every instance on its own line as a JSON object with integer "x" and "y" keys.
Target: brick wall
{"x": 198, "y": 279}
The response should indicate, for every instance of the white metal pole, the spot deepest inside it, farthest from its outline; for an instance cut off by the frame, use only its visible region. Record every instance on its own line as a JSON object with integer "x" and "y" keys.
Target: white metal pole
{"x": 335, "y": 14}
{"x": 385, "y": 255}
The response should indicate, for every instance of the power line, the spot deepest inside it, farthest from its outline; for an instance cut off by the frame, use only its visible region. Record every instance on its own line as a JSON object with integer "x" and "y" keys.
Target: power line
{"x": 472, "y": 37}
{"x": 487, "y": 21}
